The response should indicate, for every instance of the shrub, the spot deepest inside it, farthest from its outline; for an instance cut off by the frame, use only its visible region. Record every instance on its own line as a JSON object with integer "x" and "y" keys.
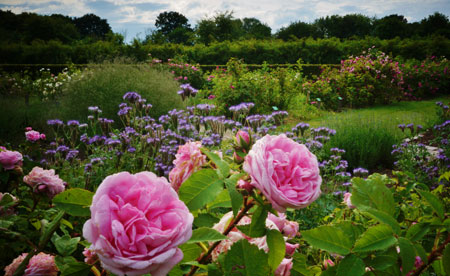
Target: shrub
{"x": 105, "y": 85}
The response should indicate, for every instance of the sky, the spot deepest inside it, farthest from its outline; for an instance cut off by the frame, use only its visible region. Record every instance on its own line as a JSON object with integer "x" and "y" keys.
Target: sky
{"x": 136, "y": 18}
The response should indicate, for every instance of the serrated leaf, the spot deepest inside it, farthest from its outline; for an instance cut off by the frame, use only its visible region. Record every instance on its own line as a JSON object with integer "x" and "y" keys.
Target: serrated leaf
{"x": 420, "y": 251}
{"x": 205, "y": 234}
{"x": 417, "y": 231}
{"x": 383, "y": 218}
{"x": 223, "y": 166}
{"x": 351, "y": 265}
{"x": 235, "y": 196}
{"x": 372, "y": 193}
{"x": 200, "y": 188}
{"x": 277, "y": 248}
{"x": 352, "y": 230}
{"x": 190, "y": 251}
{"x": 257, "y": 227}
{"x": 434, "y": 202}
{"x": 69, "y": 266}
{"x": 222, "y": 201}
{"x": 299, "y": 263}
{"x": 244, "y": 258}
{"x": 383, "y": 262}
{"x": 446, "y": 259}
{"x": 205, "y": 220}
{"x": 329, "y": 238}
{"x": 407, "y": 254}
{"x": 378, "y": 237}
{"x": 75, "y": 202}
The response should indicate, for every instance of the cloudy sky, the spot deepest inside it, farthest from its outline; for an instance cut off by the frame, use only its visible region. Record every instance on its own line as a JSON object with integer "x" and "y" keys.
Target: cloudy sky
{"x": 136, "y": 18}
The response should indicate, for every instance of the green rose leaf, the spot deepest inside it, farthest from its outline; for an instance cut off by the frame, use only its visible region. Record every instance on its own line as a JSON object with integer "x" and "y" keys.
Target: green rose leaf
{"x": 200, "y": 188}
{"x": 329, "y": 238}
{"x": 206, "y": 234}
{"x": 407, "y": 254}
{"x": 223, "y": 166}
{"x": 277, "y": 248}
{"x": 434, "y": 202}
{"x": 257, "y": 227}
{"x": 222, "y": 200}
{"x": 75, "y": 202}
{"x": 235, "y": 196}
{"x": 379, "y": 237}
{"x": 372, "y": 194}
{"x": 351, "y": 265}
{"x": 417, "y": 231}
{"x": 244, "y": 258}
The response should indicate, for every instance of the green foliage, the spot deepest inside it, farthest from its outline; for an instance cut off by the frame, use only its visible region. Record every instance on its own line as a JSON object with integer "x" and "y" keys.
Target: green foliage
{"x": 206, "y": 234}
{"x": 198, "y": 189}
{"x": 277, "y": 248}
{"x": 75, "y": 202}
{"x": 104, "y": 86}
{"x": 329, "y": 238}
{"x": 245, "y": 259}
{"x": 351, "y": 265}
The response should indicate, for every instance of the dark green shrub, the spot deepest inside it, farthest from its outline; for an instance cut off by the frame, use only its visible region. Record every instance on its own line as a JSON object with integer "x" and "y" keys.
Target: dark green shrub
{"x": 105, "y": 85}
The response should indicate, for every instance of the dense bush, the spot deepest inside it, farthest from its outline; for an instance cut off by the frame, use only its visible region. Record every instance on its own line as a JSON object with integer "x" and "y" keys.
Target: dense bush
{"x": 312, "y": 51}
{"x": 104, "y": 85}
{"x": 271, "y": 89}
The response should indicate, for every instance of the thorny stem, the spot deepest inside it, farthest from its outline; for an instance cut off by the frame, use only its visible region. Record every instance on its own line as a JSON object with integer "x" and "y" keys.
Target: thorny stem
{"x": 431, "y": 258}
{"x": 206, "y": 257}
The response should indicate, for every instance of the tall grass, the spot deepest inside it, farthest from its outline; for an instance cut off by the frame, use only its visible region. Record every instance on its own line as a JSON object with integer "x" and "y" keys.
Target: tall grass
{"x": 368, "y": 134}
{"x": 105, "y": 85}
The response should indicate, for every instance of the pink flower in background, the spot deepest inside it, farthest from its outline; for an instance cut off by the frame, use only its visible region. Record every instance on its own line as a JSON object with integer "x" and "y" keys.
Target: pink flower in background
{"x": 32, "y": 135}
{"x": 28, "y": 128}
{"x": 43, "y": 136}
{"x": 284, "y": 269}
{"x": 286, "y": 227}
{"x": 188, "y": 160}
{"x": 44, "y": 181}
{"x": 210, "y": 97}
{"x": 347, "y": 200}
{"x": 286, "y": 172}
{"x": 40, "y": 264}
{"x": 327, "y": 263}
{"x": 137, "y": 222}
{"x": 10, "y": 159}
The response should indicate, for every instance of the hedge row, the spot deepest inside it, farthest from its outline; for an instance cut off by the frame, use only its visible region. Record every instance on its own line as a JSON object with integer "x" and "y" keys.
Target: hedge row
{"x": 316, "y": 51}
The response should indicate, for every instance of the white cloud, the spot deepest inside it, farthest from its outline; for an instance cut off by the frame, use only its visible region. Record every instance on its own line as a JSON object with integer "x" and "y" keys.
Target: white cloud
{"x": 66, "y": 7}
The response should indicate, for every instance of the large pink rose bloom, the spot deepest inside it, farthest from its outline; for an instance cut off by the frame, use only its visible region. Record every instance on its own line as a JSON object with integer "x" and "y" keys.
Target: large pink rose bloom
{"x": 9, "y": 159}
{"x": 286, "y": 172}
{"x": 188, "y": 159}
{"x": 44, "y": 181}
{"x": 137, "y": 222}
{"x": 40, "y": 264}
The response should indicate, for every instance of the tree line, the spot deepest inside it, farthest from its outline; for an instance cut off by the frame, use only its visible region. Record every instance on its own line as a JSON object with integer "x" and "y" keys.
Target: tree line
{"x": 173, "y": 27}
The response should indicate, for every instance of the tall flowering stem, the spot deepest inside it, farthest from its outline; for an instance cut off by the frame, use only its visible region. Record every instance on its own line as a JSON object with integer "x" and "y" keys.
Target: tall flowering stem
{"x": 206, "y": 257}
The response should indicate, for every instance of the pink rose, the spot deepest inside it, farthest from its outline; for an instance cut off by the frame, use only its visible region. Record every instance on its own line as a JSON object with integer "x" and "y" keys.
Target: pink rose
{"x": 28, "y": 128}
{"x": 288, "y": 228}
{"x": 10, "y": 159}
{"x": 43, "y": 136}
{"x": 188, "y": 160}
{"x": 137, "y": 222}
{"x": 242, "y": 140}
{"x": 44, "y": 181}
{"x": 40, "y": 264}
{"x": 327, "y": 263}
{"x": 286, "y": 172}
{"x": 347, "y": 200}
{"x": 32, "y": 135}
{"x": 284, "y": 269}
{"x": 290, "y": 248}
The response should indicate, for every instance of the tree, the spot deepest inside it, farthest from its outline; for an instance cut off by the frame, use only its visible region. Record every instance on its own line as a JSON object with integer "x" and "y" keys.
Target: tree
{"x": 436, "y": 23}
{"x": 90, "y": 25}
{"x": 344, "y": 26}
{"x": 297, "y": 30}
{"x": 391, "y": 26}
{"x": 253, "y": 28}
{"x": 172, "y": 27}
